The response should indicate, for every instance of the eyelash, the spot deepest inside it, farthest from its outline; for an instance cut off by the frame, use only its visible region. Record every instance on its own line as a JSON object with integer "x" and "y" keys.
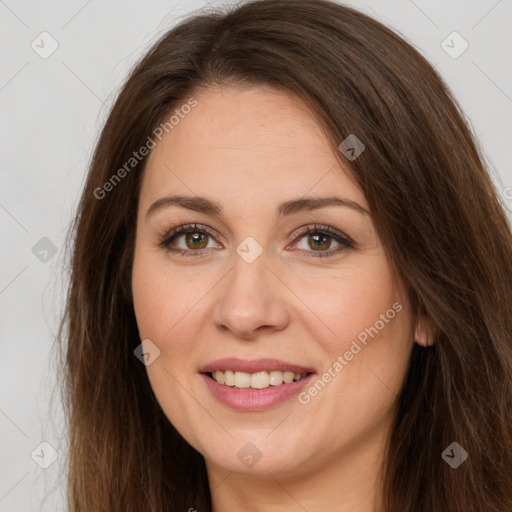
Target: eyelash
{"x": 167, "y": 237}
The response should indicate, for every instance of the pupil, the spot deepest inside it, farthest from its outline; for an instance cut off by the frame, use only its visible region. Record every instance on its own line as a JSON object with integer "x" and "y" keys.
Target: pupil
{"x": 195, "y": 238}
{"x": 316, "y": 238}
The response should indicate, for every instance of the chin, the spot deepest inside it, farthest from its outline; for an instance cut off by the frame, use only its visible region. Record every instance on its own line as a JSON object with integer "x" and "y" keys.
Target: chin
{"x": 259, "y": 453}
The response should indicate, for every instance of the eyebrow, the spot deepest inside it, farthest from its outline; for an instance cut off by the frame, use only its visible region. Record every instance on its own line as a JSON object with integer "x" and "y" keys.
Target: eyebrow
{"x": 209, "y": 207}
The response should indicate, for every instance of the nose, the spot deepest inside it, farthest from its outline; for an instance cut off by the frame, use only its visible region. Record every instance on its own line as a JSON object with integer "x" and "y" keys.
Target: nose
{"x": 251, "y": 300}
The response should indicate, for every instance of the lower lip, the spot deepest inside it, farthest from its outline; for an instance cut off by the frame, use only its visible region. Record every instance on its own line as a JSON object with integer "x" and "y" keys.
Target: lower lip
{"x": 250, "y": 399}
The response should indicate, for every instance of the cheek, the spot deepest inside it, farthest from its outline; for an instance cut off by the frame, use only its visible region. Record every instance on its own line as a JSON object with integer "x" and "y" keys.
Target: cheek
{"x": 163, "y": 300}
{"x": 163, "y": 304}
{"x": 353, "y": 303}
{"x": 363, "y": 326}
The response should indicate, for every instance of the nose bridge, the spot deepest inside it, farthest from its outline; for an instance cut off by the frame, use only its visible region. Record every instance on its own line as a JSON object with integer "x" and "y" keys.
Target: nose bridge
{"x": 251, "y": 297}
{"x": 250, "y": 267}
{"x": 248, "y": 286}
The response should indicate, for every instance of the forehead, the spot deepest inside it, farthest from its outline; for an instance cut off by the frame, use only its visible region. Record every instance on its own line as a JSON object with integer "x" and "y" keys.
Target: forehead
{"x": 246, "y": 143}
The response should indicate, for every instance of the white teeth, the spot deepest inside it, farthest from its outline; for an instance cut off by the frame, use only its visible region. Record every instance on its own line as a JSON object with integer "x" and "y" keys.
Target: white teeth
{"x": 242, "y": 380}
{"x": 276, "y": 378}
{"x": 229, "y": 378}
{"x": 288, "y": 377}
{"x": 259, "y": 380}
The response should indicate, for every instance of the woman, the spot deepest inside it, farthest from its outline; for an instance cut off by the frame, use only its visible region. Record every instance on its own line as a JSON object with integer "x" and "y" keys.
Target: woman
{"x": 291, "y": 281}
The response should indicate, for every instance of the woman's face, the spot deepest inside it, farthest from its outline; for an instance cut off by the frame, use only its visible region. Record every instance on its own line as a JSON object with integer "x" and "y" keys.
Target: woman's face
{"x": 247, "y": 284}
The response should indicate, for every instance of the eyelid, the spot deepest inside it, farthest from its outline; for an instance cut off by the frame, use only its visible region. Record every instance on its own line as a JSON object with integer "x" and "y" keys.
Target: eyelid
{"x": 166, "y": 236}
{"x": 325, "y": 229}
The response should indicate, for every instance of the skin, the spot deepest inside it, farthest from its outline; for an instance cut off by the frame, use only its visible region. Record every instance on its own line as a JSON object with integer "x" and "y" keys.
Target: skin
{"x": 238, "y": 147}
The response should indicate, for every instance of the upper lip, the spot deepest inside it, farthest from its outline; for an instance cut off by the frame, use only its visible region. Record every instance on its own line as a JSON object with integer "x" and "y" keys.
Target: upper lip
{"x": 253, "y": 366}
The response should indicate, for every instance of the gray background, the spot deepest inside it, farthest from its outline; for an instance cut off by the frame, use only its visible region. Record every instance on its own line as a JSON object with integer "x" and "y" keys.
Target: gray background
{"x": 52, "y": 110}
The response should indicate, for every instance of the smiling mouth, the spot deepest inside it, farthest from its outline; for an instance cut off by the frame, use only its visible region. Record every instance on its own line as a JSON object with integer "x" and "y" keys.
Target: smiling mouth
{"x": 258, "y": 380}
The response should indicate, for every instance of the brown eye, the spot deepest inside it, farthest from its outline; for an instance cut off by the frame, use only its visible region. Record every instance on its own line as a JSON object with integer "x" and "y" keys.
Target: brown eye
{"x": 196, "y": 240}
{"x": 188, "y": 240}
{"x": 320, "y": 241}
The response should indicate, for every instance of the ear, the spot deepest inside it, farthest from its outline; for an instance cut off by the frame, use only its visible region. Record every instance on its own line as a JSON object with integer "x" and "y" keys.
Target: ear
{"x": 424, "y": 333}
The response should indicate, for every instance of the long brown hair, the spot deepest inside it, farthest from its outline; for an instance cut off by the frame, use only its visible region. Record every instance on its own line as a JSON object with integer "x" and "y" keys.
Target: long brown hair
{"x": 437, "y": 214}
